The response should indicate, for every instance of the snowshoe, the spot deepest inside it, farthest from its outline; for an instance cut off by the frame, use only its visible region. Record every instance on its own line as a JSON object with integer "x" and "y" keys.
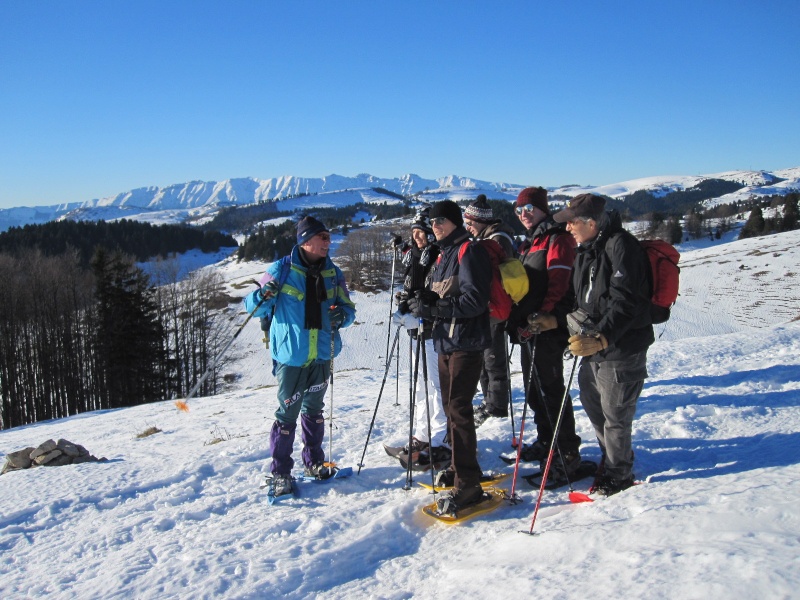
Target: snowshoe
{"x": 396, "y": 451}
{"x": 421, "y": 461}
{"x": 444, "y": 480}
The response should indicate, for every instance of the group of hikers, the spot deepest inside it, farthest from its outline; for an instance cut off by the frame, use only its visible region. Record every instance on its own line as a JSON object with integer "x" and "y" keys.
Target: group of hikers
{"x": 588, "y": 295}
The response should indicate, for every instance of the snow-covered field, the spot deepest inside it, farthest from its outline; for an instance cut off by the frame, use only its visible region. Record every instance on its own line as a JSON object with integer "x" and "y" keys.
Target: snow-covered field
{"x": 179, "y": 514}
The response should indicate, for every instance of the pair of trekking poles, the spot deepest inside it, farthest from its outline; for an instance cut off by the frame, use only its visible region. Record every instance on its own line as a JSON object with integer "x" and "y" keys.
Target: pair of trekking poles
{"x": 534, "y": 382}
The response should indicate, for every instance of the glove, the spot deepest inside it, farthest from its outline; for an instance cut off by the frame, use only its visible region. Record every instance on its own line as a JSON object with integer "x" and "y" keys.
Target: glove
{"x": 336, "y": 315}
{"x": 397, "y": 240}
{"x": 423, "y": 309}
{"x": 269, "y": 290}
{"x": 539, "y": 322}
{"x": 427, "y": 295}
{"x": 586, "y": 345}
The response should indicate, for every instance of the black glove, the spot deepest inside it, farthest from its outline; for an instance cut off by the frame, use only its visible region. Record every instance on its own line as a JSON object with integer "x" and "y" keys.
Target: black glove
{"x": 397, "y": 240}
{"x": 427, "y": 295}
{"x": 269, "y": 290}
{"x": 337, "y": 316}
{"x": 423, "y": 309}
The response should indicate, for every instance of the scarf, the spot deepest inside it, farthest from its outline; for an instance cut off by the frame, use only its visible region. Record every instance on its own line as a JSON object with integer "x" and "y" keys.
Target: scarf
{"x": 316, "y": 293}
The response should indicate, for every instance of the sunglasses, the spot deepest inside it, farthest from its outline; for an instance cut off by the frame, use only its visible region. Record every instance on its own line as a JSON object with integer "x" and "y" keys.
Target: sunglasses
{"x": 438, "y": 220}
{"x": 468, "y": 223}
{"x": 522, "y": 209}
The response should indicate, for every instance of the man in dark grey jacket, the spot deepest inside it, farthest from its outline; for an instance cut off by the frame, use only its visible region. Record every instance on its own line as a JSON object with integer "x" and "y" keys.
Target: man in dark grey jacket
{"x": 458, "y": 306}
{"x": 613, "y": 331}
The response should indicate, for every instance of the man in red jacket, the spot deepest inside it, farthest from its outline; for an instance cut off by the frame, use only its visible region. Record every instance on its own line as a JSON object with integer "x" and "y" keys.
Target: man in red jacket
{"x": 548, "y": 256}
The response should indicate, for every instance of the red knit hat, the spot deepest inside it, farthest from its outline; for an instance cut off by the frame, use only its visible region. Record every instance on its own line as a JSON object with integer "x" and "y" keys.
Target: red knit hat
{"x": 536, "y": 196}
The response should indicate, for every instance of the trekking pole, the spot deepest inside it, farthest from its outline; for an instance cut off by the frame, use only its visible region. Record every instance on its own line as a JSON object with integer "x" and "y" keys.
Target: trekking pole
{"x": 411, "y": 407}
{"x": 510, "y": 393}
{"x": 330, "y": 462}
{"x": 375, "y": 413}
{"x": 552, "y": 446}
{"x": 182, "y": 404}
{"x": 514, "y": 498}
{"x": 396, "y": 240}
{"x": 427, "y": 404}
{"x": 397, "y": 375}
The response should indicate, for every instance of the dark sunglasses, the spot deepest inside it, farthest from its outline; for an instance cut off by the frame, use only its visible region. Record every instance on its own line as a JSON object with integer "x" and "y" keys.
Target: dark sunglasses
{"x": 438, "y": 220}
{"x": 522, "y": 209}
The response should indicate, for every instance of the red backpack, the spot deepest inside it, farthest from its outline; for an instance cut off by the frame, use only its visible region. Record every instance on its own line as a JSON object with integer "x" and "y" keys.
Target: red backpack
{"x": 663, "y": 259}
{"x": 500, "y": 302}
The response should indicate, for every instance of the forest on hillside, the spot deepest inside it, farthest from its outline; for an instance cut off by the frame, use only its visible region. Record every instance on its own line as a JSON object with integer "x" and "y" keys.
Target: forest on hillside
{"x": 143, "y": 241}
{"x": 83, "y": 329}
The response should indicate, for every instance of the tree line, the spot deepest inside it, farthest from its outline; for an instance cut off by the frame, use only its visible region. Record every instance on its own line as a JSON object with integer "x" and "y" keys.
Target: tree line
{"x": 140, "y": 240}
{"x": 785, "y": 216}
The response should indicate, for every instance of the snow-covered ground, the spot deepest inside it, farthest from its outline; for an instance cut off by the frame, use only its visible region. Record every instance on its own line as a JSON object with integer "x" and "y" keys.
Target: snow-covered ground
{"x": 179, "y": 514}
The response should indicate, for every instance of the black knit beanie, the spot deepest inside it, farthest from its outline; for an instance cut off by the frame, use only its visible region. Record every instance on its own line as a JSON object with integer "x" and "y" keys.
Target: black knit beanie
{"x": 449, "y": 210}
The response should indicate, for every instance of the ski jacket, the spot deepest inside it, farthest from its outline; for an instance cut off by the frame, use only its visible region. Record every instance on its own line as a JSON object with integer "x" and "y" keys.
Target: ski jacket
{"x": 463, "y": 322}
{"x": 612, "y": 285}
{"x": 548, "y": 255}
{"x": 290, "y": 342}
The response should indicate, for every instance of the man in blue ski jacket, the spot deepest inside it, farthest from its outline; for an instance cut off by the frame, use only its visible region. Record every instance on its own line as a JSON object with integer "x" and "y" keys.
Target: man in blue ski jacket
{"x": 308, "y": 298}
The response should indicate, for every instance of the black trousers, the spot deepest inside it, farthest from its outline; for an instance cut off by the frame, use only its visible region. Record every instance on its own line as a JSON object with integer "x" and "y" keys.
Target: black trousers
{"x": 494, "y": 375}
{"x": 549, "y": 364}
{"x": 458, "y": 376}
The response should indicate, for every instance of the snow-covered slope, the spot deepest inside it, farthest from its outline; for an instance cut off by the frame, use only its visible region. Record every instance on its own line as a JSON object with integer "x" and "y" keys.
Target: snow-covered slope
{"x": 179, "y": 514}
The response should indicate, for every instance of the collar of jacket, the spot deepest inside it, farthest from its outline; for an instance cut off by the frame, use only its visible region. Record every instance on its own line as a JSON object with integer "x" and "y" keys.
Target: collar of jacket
{"x": 543, "y": 227}
{"x": 613, "y": 226}
{"x": 458, "y": 235}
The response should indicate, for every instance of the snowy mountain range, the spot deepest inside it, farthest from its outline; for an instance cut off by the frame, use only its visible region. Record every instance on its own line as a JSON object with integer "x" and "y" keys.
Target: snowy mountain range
{"x": 197, "y": 201}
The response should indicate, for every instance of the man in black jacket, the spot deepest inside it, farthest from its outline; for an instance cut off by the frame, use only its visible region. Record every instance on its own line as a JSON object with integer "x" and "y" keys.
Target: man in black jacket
{"x": 612, "y": 330}
{"x": 458, "y": 307}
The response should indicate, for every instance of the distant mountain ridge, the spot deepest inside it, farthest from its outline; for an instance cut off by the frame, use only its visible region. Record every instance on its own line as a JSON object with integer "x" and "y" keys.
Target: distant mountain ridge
{"x": 200, "y": 200}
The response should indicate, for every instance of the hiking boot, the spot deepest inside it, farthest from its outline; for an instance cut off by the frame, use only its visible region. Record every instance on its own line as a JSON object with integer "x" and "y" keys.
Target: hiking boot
{"x": 453, "y": 501}
{"x": 319, "y": 471}
{"x": 536, "y": 451}
{"x": 446, "y": 478}
{"x": 280, "y": 485}
{"x": 563, "y": 470}
{"x": 608, "y": 486}
{"x": 484, "y": 412}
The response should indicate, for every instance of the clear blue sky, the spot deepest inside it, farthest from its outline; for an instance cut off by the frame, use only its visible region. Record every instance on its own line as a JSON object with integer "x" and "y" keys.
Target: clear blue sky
{"x": 100, "y": 97}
